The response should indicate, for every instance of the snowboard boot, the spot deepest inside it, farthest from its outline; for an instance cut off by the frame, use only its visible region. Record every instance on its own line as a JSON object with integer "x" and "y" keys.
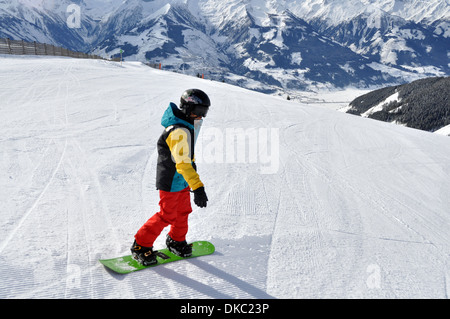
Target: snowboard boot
{"x": 179, "y": 248}
{"x": 144, "y": 255}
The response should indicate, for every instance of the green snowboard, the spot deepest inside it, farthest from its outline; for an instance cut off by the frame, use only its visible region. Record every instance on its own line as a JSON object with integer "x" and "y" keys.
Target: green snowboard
{"x": 127, "y": 264}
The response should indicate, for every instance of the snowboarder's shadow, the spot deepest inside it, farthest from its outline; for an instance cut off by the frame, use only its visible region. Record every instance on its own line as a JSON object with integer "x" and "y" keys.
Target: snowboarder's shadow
{"x": 211, "y": 291}
{"x": 239, "y": 283}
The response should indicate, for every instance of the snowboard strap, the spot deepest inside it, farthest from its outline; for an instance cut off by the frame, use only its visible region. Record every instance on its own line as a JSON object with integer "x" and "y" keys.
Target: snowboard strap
{"x": 162, "y": 255}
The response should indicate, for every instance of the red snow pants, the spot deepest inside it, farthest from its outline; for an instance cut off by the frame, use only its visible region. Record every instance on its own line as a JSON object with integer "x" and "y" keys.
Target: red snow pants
{"x": 175, "y": 208}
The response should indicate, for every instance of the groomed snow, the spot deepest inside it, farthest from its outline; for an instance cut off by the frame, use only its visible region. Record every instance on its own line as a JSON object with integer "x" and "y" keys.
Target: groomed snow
{"x": 326, "y": 205}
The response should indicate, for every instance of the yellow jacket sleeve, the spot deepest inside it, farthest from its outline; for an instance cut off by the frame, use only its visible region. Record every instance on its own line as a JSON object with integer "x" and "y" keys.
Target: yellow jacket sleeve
{"x": 178, "y": 142}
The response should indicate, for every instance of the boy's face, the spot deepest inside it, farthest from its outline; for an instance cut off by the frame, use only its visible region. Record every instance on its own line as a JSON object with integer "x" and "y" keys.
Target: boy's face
{"x": 195, "y": 117}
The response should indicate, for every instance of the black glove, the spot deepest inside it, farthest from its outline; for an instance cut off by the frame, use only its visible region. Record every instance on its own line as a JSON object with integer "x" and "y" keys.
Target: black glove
{"x": 200, "y": 197}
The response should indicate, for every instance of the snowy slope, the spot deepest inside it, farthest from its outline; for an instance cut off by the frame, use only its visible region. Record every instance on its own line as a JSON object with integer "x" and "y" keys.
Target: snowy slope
{"x": 338, "y": 206}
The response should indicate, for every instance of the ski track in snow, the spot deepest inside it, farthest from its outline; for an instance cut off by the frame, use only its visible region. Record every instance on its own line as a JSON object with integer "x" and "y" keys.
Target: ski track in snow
{"x": 356, "y": 209}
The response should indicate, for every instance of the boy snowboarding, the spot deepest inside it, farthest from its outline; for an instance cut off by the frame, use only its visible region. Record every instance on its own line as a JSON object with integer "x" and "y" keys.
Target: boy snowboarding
{"x": 176, "y": 175}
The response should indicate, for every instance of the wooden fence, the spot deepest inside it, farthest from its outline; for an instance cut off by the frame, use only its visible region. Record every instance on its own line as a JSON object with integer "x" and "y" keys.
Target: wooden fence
{"x": 20, "y": 47}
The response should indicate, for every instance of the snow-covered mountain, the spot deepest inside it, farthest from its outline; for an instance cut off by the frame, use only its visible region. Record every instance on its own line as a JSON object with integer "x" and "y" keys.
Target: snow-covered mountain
{"x": 261, "y": 44}
{"x": 336, "y": 12}
{"x": 45, "y": 22}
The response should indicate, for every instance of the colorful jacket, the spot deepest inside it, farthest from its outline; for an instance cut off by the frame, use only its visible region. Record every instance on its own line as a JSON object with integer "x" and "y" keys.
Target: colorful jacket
{"x": 176, "y": 168}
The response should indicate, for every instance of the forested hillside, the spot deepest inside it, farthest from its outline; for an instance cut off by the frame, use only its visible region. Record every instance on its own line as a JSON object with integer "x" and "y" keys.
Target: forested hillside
{"x": 423, "y": 104}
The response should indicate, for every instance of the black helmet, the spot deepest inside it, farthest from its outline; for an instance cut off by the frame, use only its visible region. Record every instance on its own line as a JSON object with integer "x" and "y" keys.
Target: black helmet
{"x": 194, "y": 101}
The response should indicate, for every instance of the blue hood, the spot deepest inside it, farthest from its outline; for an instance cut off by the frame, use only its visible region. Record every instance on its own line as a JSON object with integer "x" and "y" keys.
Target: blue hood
{"x": 169, "y": 118}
